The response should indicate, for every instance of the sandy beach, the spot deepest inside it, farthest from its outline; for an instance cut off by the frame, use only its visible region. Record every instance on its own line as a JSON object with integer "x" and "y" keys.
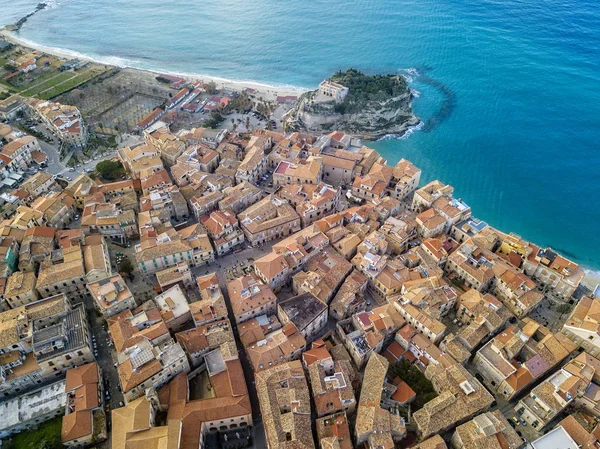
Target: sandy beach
{"x": 591, "y": 280}
{"x": 266, "y": 91}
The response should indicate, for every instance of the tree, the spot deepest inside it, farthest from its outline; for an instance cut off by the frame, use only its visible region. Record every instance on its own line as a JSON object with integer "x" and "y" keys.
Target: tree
{"x": 126, "y": 266}
{"x": 563, "y": 308}
{"x": 415, "y": 380}
{"x": 110, "y": 169}
{"x": 211, "y": 88}
{"x": 213, "y": 122}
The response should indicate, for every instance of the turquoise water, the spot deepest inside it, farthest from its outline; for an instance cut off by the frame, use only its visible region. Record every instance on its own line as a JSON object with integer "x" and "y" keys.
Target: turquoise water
{"x": 509, "y": 90}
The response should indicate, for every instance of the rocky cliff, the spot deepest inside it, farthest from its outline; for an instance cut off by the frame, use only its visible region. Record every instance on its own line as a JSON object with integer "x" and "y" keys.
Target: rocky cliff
{"x": 374, "y": 106}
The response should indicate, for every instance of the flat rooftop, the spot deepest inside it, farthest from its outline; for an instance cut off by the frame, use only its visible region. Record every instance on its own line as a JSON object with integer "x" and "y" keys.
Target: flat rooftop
{"x": 557, "y": 438}
{"x": 29, "y": 406}
{"x": 74, "y": 324}
{"x": 173, "y": 299}
{"x": 302, "y": 309}
{"x": 214, "y": 362}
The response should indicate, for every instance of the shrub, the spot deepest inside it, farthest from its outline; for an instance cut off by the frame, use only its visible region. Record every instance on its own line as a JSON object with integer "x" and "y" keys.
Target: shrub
{"x": 110, "y": 169}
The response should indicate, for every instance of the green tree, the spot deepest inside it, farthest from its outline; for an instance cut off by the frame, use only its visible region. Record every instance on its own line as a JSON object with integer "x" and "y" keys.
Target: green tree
{"x": 211, "y": 88}
{"x": 563, "y": 308}
{"x": 126, "y": 266}
{"x": 110, "y": 169}
{"x": 213, "y": 122}
{"x": 415, "y": 380}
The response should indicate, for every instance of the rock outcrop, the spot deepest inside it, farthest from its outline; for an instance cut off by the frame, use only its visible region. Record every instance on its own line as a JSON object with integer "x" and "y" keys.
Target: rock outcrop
{"x": 374, "y": 106}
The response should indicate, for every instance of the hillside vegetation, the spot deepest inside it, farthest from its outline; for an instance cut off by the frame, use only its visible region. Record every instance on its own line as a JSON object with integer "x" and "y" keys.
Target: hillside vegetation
{"x": 374, "y": 106}
{"x": 364, "y": 89}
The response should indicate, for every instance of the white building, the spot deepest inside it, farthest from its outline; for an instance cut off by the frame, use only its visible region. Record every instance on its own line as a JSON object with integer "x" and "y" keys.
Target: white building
{"x": 334, "y": 90}
{"x": 31, "y": 409}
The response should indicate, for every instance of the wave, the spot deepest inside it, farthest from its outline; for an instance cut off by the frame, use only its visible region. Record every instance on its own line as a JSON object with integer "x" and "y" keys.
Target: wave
{"x": 592, "y": 273}
{"x": 53, "y": 4}
{"x": 409, "y": 74}
{"x": 139, "y": 64}
{"x": 405, "y": 135}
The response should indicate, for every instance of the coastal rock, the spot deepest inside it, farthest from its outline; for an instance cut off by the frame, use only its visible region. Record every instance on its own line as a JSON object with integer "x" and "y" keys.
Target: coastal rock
{"x": 374, "y": 106}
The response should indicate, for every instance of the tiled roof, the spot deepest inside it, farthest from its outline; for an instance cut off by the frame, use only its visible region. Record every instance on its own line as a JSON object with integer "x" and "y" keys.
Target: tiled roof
{"x": 284, "y": 387}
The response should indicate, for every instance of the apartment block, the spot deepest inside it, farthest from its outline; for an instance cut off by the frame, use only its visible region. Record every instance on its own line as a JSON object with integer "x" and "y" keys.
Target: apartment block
{"x": 30, "y": 409}
{"x": 583, "y": 325}
{"x": 40, "y": 341}
{"x": 201, "y": 340}
{"x": 490, "y": 430}
{"x": 460, "y": 398}
{"x": 224, "y": 230}
{"x": 253, "y": 166}
{"x": 211, "y": 306}
{"x": 285, "y": 406}
{"x": 554, "y": 271}
{"x": 269, "y": 219}
{"x": 301, "y": 171}
{"x": 376, "y": 426}
{"x": 249, "y": 298}
{"x": 84, "y": 421}
{"x": 111, "y": 295}
{"x": 518, "y": 356}
{"x": 20, "y": 289}
{"x": 306, "y": 312}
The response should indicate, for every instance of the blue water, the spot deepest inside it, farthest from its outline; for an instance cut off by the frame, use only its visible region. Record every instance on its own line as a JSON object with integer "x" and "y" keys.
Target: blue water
{"x": 512, "y": 125}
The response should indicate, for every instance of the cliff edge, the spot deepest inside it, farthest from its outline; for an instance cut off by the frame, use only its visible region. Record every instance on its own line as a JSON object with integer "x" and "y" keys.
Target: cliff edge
{"x": 366, "y": 106}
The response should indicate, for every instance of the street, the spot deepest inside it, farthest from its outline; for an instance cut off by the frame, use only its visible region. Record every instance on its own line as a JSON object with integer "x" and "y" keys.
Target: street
{"x": 103, "y": 352}
{"x": 56, "y": 167}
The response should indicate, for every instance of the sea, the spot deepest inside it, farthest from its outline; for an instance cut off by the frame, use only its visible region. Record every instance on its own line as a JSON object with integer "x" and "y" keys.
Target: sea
{"x": 508, "y": 91}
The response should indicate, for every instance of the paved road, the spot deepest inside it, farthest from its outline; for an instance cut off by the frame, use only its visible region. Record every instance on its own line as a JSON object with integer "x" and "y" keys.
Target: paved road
{"x": 106, "y": 356}
{"x": 56, "y": 167}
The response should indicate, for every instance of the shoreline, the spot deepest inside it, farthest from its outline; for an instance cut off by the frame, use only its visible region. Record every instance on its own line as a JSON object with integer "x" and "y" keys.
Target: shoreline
{"x": 265, "y": 90}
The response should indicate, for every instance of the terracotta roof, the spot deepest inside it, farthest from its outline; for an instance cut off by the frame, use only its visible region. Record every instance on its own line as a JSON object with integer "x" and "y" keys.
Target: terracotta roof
{"x": 403, "y": 393}
{"x": 82, "y": 375}
{"x": 76, "y": 425}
